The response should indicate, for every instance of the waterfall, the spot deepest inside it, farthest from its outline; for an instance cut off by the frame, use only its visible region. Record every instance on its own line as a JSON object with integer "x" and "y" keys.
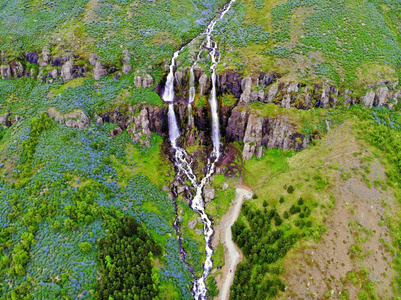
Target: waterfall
{"x": 191, "y": 96}
{"x": 168, "y": 95}
{"x": 183, "y": 161}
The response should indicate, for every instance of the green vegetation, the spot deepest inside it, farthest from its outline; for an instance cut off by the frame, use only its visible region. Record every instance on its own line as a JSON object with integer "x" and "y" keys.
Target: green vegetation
{"x": 303, "y": 40}
{"x": 127, "y": 274}
{"x": 53, "y": 215}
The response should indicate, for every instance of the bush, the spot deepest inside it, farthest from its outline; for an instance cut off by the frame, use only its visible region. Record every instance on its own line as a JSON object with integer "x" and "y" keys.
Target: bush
{"x": 85, "y": 247}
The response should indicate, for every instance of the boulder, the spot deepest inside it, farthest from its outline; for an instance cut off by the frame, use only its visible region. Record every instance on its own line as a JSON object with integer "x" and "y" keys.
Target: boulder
{"x": 75, "y": 119}
{"x": 99, "y": 70}
{"x": 209, "y": 194}
{"x": 286, "y": 102}
{"x": 4, "y": 120}
{"x": 45, "y": 59}
{"x": 32, "y": 57}
{"x": 126, "y": 62}
{"x": 381, "y": 96}
{"x": 369, "y": 99}
{"x": 246, "y": 86}
{"x": 53, "y": 73}
{"x": 66, "y": 70}
{"x": 92, "y": 59}
{"x": 325, "y": 99}
{"x": 116, "y": 131}
{"x": 5, "y": 71}
{"x": 266, "y": 79}
{"x": 192, "y": 224}
{"x": 147, "y": 81}
{"x": 17, "y": 70}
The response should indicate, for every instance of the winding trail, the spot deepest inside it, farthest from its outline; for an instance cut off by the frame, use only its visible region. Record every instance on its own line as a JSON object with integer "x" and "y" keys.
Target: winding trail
{"x": 231, "y": 254}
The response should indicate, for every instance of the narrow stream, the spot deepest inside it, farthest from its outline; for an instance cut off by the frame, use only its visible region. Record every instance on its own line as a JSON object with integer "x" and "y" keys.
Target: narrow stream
{"x": 183, "y": 161}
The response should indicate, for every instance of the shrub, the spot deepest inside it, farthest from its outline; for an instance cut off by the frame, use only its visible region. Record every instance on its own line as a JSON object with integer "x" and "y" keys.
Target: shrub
{"x": 85, "y": 247}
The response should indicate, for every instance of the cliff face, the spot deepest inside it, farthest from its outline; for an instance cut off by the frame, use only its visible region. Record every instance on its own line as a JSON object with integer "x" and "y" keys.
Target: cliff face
{"x": 238, "y": 123}
{"x": 271, "y": 88}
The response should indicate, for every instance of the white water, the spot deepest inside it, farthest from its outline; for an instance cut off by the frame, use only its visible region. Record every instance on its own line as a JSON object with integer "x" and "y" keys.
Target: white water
{"x": 183, "y": 161}
{"x": 168, "y": 95}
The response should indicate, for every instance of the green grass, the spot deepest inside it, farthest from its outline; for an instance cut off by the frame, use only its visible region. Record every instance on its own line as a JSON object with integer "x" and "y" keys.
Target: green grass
{"x": 304, "y": 42}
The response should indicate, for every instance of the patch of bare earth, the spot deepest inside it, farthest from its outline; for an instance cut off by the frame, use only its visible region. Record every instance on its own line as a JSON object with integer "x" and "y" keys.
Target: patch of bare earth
{"x": 350, "y": 257}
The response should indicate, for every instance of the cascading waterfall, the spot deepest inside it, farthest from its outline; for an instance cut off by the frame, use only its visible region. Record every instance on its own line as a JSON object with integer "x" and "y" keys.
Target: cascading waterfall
{"x": 191, "y": 96}
{"x": 183, "y": 161}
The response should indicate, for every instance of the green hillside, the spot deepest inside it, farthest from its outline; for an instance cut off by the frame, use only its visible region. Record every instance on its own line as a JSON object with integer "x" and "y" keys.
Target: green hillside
{"x": 92, "y": 202}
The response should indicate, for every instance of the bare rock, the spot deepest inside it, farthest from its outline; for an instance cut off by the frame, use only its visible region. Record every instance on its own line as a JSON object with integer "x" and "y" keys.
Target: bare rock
{"x": 45, "y": 59}
{"x": 209, "y": 194}
{"x": 17, "y": 70}
{"x": 66, "y": 70}
{"x": 53, "y": 73}
{"x": 147, "y": 81}
{"x": 381, "y": 96}
{"x": 139, "y": 128}
{"x": 198, "y": 231}
{"x": 4, "y": 120}
{"x": 192, "y": 224}
{"x": 246, "y": 85}
{"x": 236, "y": 124}
{"x": 75, "y": 119}
{"x": 272, "y": 94}
{"x": 394, "y": 99}
{"x": 293, "y": 87}
{"x": 203, "y": 84}
{"x": 126, "y": 68}
{"x": 325, "y": 99}
{"x": 178, "y": 76}
{"x": 32, "y": 57}
{"x": 92, "y": 59}
{"x": 5, "y": 71}
{"x": 253, "y": 136}
{"x": 369, "y": 99}
{"x": 99, "y": 70}
{"x": 138, "y": 81}
{"x": 286, "y": 103}
{"x": 225, "y": 186}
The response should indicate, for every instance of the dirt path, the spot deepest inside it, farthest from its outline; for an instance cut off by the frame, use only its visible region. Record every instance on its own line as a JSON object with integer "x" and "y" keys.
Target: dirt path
{"x": 232, "y": 255}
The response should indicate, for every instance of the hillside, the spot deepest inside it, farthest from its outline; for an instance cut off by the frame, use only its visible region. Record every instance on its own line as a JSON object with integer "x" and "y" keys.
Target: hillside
{"x": 124, "y": 167}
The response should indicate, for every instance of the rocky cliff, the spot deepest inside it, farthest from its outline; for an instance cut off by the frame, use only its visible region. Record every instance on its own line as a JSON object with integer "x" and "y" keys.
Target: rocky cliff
{"x": 238, "y": 122}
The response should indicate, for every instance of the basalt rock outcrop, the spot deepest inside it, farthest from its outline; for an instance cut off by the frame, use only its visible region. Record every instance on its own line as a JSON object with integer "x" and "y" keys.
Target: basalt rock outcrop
{"x": 273, "y": 88}
{"x": 254, "y": 131}
{"x": 74, "y": 119}
{"x": 42, "y": 65}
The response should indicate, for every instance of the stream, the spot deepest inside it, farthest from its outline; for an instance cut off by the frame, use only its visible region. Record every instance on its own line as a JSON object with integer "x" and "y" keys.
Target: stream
{"x": 182, "y": 161}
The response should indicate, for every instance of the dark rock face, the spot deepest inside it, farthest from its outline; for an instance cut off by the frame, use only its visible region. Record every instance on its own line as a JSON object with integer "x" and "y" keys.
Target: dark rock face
{"x": 236, "y": 125}
{"x": 32, "y": 57}
{"x": 230, "y": 83}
